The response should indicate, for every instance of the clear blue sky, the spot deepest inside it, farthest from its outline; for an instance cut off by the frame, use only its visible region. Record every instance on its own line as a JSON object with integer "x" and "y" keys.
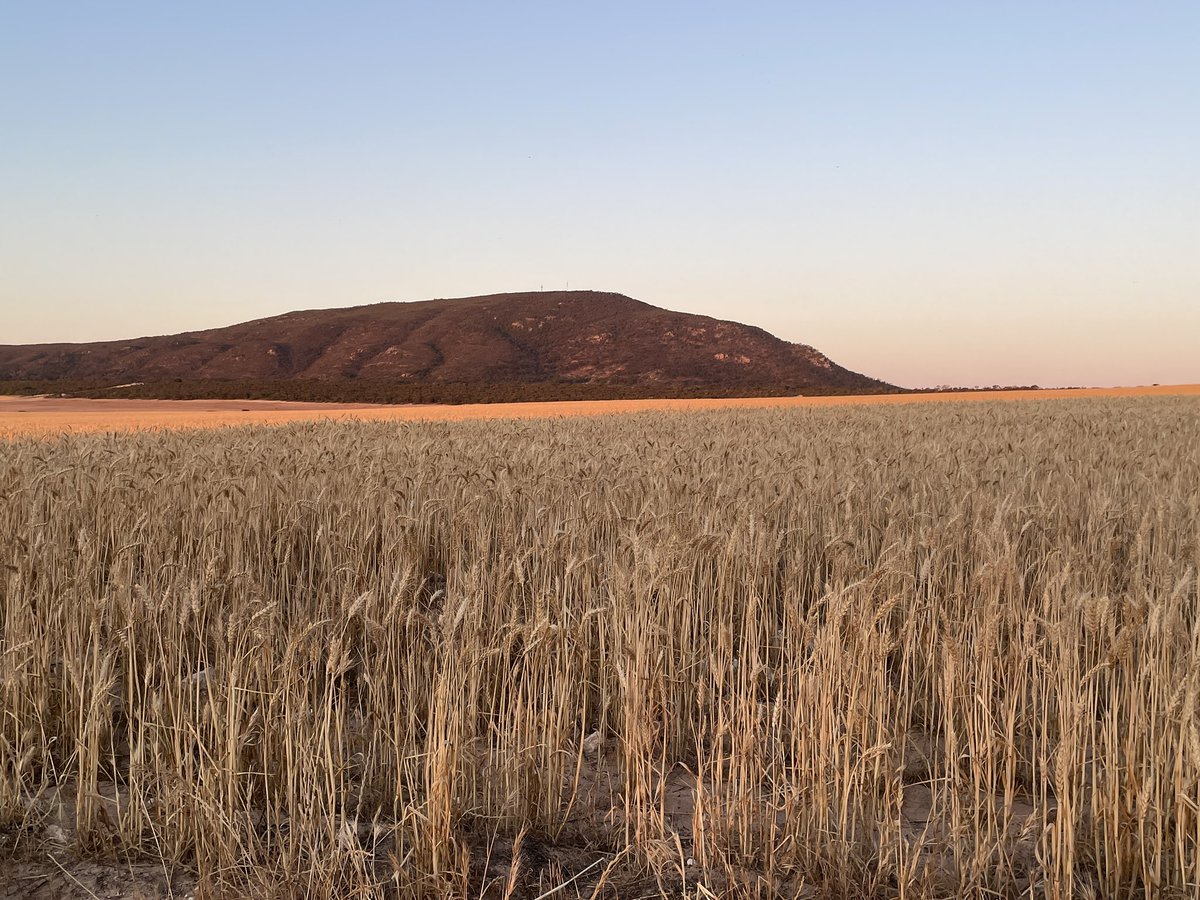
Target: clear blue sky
{"x": 929, "y": 192}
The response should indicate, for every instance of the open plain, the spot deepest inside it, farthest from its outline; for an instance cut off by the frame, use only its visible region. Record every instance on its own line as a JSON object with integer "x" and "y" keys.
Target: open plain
{"x": 53, "y": 415}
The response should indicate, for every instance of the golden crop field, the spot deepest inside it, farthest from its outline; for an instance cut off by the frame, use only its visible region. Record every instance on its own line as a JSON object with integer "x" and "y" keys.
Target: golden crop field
{"x": 856, "y": 651}
{"x": 58, "y": 415}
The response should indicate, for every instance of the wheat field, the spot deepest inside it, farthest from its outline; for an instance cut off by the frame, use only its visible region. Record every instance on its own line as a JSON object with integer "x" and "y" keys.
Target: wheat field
{"x": 946, "y": 650}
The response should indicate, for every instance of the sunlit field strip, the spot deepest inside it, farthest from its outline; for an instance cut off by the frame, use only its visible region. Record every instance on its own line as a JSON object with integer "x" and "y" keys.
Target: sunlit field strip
{"x": 24, "y": 415}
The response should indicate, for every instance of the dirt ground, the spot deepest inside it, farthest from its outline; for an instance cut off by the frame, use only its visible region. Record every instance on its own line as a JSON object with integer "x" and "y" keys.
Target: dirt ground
{"x": 40, "y": 859}
{"x": 54, "y": 415}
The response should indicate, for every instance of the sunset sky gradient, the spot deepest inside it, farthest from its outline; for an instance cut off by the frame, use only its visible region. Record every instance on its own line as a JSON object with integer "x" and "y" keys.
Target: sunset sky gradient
{"x": 930, "y": 193}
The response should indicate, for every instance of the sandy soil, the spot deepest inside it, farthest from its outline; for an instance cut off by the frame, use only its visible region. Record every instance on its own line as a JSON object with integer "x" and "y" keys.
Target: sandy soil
{"x": 53, "y": 415}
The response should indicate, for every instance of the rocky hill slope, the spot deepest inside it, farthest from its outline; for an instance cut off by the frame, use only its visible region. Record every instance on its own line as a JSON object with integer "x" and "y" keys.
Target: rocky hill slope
{"x": 570, "y": 337}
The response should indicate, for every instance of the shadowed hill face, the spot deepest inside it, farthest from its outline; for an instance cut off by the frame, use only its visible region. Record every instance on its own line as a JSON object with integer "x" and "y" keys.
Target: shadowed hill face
{"x": 531, "y": 337}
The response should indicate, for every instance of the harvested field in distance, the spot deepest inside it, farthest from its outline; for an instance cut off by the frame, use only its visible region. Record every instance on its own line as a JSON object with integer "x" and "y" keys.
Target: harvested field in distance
{"x": 842, "y": 650}
{"x": 49, "y": 415}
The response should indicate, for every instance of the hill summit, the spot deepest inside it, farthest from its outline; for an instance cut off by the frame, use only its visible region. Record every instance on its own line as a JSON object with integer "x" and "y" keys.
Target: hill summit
{"x": 575, "y": 337}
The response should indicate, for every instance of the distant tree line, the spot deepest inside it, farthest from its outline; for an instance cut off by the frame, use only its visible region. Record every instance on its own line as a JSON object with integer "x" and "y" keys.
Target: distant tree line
{"x": 396, "y": 392}
{"x": 951, "y": 389}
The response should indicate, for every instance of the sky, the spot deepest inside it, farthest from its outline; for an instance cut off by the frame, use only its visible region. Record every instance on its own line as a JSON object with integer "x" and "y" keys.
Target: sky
{"x": 931, "y": 193}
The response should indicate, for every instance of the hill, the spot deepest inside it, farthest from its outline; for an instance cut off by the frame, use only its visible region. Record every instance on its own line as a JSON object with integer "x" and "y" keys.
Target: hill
{"x": 595, "y": 341}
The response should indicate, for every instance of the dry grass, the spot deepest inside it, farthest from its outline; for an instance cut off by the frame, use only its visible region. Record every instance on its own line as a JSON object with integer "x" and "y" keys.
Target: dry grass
{"x": 51, "y": 415}
{"x": 919, "y": 651}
